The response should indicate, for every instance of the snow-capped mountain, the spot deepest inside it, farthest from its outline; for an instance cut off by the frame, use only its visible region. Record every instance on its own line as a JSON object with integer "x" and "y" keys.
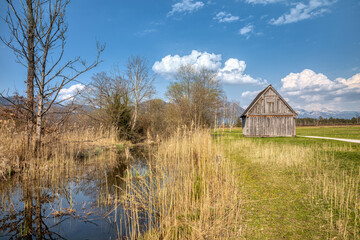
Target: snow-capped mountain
{"x": 327, "y": 114}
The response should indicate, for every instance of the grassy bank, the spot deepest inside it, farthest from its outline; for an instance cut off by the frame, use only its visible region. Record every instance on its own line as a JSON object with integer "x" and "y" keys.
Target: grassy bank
{"x": 297, "y": 188}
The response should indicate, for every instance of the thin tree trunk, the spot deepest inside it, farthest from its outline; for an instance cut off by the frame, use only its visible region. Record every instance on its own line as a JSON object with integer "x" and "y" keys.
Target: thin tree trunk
{"x": 224, "y": 116}
{"x": 39, "y": 123}
{"x": 215, "y": 123}
{"x": 30, "y": 70}
{"x": 40, "y": 101}
{"x": 135, "y": 117}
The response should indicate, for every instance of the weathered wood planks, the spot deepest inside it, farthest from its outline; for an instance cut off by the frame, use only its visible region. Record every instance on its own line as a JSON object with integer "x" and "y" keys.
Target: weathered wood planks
{"x": 269, "y": 115}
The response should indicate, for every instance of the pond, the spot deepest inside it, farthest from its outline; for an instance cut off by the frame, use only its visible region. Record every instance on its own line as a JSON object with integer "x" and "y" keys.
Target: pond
{"x": 75, "y": 201}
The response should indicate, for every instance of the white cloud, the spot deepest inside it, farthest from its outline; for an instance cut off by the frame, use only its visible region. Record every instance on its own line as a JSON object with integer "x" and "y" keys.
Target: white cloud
{"x": 351, "y": 83}
{"x": 232, "y": 71}
{"x": 250, "y": 94}
{"x": 185, "y": 6}
{"x": 247, "y": 30}
{"x": 315, "y": 91}
{"x": 264, "y": 2}
{"x": 224, "y": 17}
{"x": 306, "y": 80}
{"x": 169, "y": 65}
{"x": 69, "y": 93}
{"x": 303, "y": 11}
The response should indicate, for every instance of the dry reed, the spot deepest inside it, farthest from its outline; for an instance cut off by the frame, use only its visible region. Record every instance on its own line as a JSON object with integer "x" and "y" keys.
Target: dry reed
{"x": 59, "y": 147}
{"x": 189, "y": 192}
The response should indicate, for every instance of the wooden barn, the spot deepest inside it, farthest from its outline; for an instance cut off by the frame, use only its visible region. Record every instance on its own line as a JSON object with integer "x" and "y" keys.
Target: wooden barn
{"x": 269, "y": 115}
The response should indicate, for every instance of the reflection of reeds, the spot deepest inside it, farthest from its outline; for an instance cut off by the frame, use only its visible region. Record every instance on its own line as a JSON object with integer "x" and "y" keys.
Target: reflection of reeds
{"x": 53, "y": 177}
{"x": 77, "y": 160}
{"x": 190, "y": 191}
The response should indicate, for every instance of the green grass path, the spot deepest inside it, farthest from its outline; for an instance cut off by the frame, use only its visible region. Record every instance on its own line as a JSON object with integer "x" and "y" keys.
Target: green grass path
{"x": 277, "y": 204}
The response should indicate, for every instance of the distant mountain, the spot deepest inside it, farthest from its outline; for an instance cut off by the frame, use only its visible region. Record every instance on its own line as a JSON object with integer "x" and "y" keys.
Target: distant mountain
{"x": 302, "y": 113}
{"x": 326, "y": 114}
{"x": 4, "y": 102}
{"x": 238, "y": 109}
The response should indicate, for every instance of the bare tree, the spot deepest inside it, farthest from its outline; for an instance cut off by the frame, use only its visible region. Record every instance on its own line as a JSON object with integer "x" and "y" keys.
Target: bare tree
{"x": 22, "y": 26}
{"x": 42, "y": 49}
{"x": 109, "y": 95}
{"x": 234, "y": 111}
{"x": 180, "y": 93}
{"x": 141, "y": 83}
{"x": 215, "y": 121}
{"x": 224, "y": 112}
{"x": 197, "y": 95}
{"x": 95, "y": 95}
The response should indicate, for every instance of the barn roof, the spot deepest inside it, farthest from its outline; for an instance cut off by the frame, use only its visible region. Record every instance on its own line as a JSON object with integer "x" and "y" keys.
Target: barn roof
{"x": 256, "y": 99}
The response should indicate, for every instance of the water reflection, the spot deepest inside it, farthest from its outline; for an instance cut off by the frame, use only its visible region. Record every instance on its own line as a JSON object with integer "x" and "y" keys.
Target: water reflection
{"x": 72, "y": 201}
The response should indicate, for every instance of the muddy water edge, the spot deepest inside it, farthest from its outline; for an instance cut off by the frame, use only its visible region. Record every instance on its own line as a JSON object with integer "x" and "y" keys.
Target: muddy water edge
{"x": 74, "y": 200}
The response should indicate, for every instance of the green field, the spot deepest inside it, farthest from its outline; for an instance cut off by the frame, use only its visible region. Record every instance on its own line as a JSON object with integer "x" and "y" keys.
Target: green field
{"x": 298, "y": 188}
{"x": 349, "y": 132}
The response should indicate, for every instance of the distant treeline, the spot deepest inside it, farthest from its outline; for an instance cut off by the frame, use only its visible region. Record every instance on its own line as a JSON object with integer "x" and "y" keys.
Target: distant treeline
{"x": 326, "y": 121}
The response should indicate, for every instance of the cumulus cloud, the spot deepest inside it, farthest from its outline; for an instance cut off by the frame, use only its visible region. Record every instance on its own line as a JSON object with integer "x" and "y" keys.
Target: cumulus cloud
{"x": 185, "y": 6}
{"x": 232, "y": 71}
{"x": 249, "y": 94}
{"x": 169, "y": 65}
{"x": 247, "y": 30}
{"x": 224, "y": 17}
{"x": 351, "y": 83}
{"x": 306, "y": 80}
{"x": 315, "y": 91}
{"x": 303, "y": 11}
{"x": 69, "y": 93}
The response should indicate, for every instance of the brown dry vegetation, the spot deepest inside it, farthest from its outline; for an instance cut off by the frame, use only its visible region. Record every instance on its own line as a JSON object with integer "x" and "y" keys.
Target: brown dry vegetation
{"x": 190, "y": 192}
{"x": 65, "y": 145}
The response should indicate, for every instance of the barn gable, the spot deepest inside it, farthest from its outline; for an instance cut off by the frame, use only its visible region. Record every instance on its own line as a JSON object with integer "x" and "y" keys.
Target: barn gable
{"x": 269, "y": 102}
{"x": 269, "y": 115}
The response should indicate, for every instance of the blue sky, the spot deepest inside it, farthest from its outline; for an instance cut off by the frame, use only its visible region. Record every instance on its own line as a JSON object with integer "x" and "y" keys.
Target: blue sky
{"x": 308, "y": 49}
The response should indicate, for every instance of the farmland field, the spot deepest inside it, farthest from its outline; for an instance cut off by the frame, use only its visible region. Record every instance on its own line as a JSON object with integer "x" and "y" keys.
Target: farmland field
{"x": 298, "y": 188}
{"x": 349, "y": 132}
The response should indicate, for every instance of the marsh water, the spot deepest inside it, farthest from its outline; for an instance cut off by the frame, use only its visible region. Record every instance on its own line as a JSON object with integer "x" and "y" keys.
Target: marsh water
{"x": 75, "y": 201}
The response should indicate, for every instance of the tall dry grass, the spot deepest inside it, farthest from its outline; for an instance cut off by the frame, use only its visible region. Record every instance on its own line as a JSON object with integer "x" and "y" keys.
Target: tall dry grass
{"x": 77, "y": 142}
{"x": 189, "y": 192}
{"x": 330, "y": 187}
{"x": 337, "y": 190}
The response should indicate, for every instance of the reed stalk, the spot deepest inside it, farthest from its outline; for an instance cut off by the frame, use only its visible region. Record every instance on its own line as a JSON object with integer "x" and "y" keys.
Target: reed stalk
{"x": 189, "y": 192}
